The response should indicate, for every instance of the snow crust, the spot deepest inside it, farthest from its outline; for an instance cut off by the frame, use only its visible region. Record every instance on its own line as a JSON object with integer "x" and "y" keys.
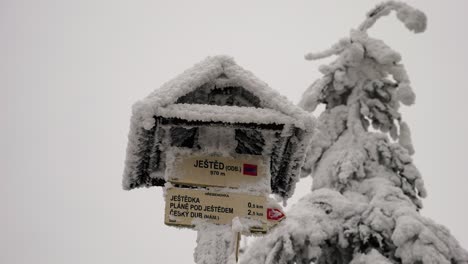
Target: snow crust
{"x": 228, "y": 114}
{"x": 373, "y": 257}
{"x": 214, "y": 243}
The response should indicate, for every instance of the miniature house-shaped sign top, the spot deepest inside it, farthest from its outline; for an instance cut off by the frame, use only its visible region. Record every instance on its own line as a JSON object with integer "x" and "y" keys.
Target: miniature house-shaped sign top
{"x": 217, "y": 108}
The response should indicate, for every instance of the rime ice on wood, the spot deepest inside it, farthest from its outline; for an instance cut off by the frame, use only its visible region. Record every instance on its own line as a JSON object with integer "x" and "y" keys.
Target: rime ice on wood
{"x": 216, "y": 107}
{"x": 220, "y": 141}
{"x": 366, "y": 194}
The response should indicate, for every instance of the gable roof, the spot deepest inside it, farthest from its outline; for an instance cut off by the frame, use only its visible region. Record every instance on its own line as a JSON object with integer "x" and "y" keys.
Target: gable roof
{"x": 225, "y": 72}
{"x": 220, "y": 72}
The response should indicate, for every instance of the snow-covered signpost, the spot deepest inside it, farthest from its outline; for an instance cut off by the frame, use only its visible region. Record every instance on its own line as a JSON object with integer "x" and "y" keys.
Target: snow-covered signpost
{"x": 219, "y": 141}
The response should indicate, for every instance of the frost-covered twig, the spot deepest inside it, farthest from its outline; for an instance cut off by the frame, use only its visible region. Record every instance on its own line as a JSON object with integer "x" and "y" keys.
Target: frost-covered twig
{"x": 413, "y": 19}
{"x": 334, "y": 50}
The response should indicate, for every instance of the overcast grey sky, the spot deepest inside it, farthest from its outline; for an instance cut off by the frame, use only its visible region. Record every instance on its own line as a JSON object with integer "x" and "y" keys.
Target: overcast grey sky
{"x": 70, "y": 71}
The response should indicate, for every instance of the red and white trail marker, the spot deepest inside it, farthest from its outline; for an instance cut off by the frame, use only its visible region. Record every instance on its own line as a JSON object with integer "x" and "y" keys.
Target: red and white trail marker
{"x": 274, "y": 214}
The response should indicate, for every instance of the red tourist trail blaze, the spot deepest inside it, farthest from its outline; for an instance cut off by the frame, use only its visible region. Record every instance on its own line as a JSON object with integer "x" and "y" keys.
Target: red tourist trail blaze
{"x": 250, "y": 169}
{"x": 274, "y": 214}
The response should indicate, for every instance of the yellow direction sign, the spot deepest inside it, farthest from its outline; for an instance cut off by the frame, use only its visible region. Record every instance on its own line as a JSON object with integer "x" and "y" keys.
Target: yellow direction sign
{"x": 219, "y": 171}
{"x": 186, "y": 205}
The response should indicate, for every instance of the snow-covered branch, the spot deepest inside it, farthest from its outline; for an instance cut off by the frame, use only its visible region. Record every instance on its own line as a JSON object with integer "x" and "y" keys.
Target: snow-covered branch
{"x": 412, "y": 18}
{"x": 366, "y": 193}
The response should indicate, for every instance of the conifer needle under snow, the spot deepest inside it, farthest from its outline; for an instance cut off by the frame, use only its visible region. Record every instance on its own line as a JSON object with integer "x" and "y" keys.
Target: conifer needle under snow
{"x": 365, "y": 200}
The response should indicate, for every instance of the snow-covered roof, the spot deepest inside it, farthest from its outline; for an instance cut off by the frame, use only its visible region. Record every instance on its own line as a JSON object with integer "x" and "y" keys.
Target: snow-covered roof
{"x": 227, "y": 114}
{"x": 187, "y": 98}
{"x": 209, "y": 71}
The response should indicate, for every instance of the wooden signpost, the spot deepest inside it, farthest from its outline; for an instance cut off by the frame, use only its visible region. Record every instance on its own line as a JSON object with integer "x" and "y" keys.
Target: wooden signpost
{"x": 218, "y": 171}
{"x": 183, "y": 206}
{"x": 213, "y": 189}
{"x": 219, "y": 141}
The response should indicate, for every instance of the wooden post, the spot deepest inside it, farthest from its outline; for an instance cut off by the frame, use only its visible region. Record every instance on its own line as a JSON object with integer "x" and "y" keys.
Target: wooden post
{"x": 237, "y": 241}
{"x": 216, "y": 244}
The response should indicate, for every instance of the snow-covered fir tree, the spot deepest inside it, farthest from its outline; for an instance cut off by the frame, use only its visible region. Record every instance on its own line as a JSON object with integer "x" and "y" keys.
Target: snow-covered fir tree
{"x": 365, "y": 199}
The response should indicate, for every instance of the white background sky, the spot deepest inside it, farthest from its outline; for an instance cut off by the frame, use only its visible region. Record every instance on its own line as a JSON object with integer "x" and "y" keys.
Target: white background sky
{"x": 70, "y": 71}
